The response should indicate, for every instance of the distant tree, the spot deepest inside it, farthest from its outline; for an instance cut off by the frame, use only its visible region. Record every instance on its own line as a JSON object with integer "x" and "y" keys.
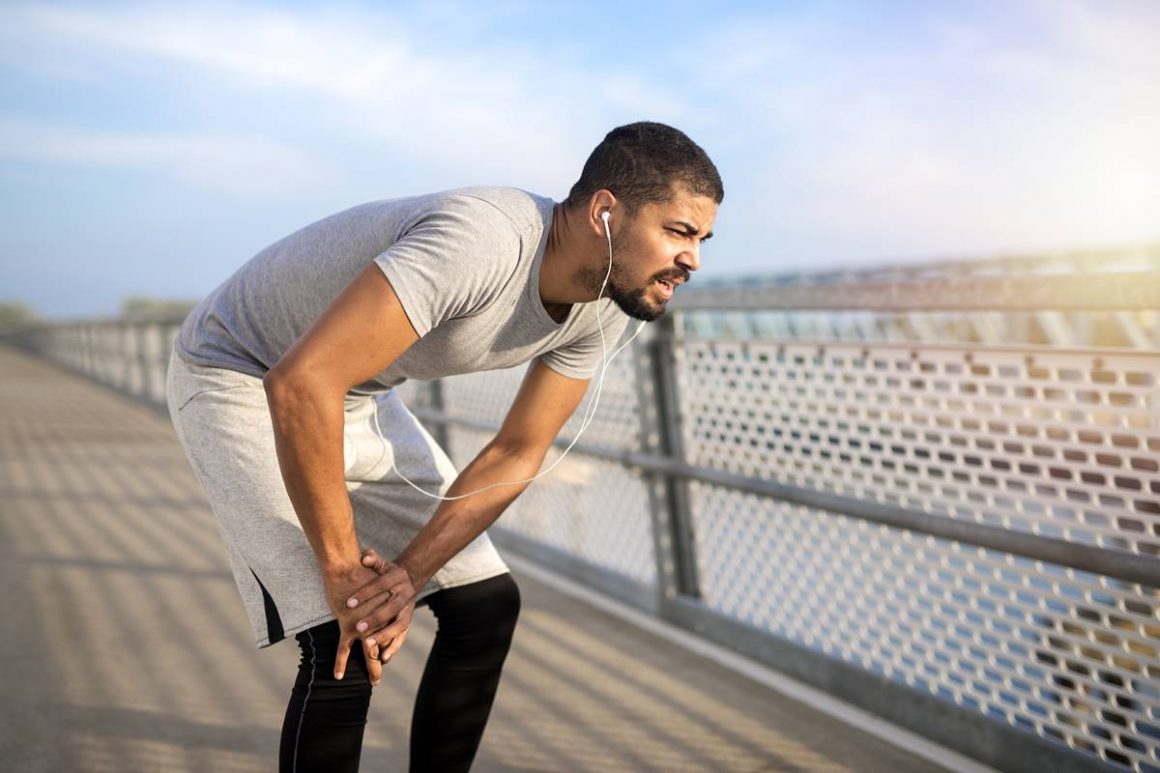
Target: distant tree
{"x": 17, "y": 314}
{"x": 144, "y": 307}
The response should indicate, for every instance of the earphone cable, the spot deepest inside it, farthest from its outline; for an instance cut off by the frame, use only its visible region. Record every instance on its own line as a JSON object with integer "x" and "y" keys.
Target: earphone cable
{"x": 589, "y": 413}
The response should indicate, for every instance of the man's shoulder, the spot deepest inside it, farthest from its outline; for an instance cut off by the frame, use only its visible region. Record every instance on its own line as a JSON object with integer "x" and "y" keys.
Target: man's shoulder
{"x": 523, "y": 209}
{"x": 483, "y": 205}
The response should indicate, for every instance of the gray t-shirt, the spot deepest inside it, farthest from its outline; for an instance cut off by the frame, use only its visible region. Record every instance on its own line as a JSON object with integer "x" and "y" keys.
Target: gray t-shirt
{"x": 465, "y": 265}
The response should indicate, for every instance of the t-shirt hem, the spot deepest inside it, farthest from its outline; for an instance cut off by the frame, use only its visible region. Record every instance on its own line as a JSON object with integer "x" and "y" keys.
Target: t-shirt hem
{"x": 264, "y": 641}
{"x": 569, "y": 372}
{"x": 233, "y": 365}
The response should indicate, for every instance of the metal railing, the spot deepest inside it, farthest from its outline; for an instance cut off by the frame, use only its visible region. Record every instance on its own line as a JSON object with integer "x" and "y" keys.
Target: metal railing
{"x": 963, "y": 539}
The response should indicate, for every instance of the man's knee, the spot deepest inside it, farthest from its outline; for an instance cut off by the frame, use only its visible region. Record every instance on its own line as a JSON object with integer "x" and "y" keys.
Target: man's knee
{"x": 318, "y": 646}
{"x": 504, "y": 597}
{"x": 492, "y": 604}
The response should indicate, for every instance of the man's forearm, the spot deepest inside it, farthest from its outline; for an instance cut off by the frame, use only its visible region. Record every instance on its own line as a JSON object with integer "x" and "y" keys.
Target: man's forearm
{"x": 457, "y": 522}
{"x": 308, "y": 438}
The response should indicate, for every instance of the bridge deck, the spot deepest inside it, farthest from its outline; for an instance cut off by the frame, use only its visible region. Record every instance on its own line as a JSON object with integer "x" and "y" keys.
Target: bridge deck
{"x": 125, "y": 647}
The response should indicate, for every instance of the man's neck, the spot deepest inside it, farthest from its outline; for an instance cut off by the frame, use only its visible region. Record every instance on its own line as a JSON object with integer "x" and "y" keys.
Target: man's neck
{"x": 562, "y": 256}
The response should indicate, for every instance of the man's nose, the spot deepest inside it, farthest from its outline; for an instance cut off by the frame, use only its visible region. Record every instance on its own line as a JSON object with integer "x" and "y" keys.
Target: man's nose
{"x": 691, "y": 258}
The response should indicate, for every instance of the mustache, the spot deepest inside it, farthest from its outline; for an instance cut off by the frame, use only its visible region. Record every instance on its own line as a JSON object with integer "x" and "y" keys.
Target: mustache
{"x": 672, "y": 277}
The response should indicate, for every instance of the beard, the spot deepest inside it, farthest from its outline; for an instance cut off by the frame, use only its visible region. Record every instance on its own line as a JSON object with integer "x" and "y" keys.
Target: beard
{"x": 633, "y": 303}
{"x": 630, "y": 300}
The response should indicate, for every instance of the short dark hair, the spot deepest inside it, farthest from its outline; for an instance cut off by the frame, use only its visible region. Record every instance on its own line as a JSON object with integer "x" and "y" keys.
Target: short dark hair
{"x": 640, "y": 163}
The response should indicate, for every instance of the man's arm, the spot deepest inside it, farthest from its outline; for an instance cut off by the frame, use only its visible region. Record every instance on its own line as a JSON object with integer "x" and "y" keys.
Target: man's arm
{"x": 545, "y": 401}
{"x": 361, "y": 333}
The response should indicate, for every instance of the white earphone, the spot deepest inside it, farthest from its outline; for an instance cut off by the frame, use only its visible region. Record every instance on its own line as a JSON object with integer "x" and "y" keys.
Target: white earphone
{"x": 589, "y": 413}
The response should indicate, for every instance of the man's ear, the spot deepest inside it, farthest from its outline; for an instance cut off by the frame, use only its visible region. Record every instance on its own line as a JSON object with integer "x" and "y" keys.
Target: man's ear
{"x": 602, "y": 201}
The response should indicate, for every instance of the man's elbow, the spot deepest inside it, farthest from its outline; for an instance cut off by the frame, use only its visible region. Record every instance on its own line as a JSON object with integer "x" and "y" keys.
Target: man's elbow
{"x": 523, "y": 450}
{"x": 275, "y": 382}
{"x": 284, "y": 385}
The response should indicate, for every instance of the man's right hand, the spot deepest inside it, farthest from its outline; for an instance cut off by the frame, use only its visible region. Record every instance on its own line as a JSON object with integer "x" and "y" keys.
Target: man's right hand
{"x": 339, "y": 587}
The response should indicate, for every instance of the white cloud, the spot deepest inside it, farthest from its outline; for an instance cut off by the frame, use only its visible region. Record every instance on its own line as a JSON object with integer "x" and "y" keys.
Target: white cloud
{"x": 235, "y": 165}
{"x": 328, "y": 55}
{"x": 986, "y": 128}
{"x": 975, "y": 138}
{"x": 495, "y": 111}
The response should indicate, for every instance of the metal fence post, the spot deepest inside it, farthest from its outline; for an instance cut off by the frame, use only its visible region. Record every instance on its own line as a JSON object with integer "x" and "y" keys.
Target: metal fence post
{"x": 439, "y": 430}
{"x": 145, "y": 384}
{"x": 656, "y": 482}
{"x": 668, "y": 494}
{"x": 124, "y": 336}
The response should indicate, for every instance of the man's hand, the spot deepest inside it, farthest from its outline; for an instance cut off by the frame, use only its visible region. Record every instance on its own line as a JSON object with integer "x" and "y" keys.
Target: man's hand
{"x": 338, "y": 588}
{"x": 385, "y": 606}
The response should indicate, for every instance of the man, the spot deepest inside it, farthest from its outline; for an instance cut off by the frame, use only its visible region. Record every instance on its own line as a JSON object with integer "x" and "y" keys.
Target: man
{"x": 280, "y": 390}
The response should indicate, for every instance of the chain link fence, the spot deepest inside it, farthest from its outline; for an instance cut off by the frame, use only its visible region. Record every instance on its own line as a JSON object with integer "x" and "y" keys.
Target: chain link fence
{"x": 962, "y": 537}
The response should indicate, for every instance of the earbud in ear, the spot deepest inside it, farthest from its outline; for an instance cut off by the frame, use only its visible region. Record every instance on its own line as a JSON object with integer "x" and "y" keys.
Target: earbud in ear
{"x": 605, "y": 215}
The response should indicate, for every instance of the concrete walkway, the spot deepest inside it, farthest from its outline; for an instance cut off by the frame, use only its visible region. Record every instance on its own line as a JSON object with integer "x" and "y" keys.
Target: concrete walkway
{"x": 125, "y": 647}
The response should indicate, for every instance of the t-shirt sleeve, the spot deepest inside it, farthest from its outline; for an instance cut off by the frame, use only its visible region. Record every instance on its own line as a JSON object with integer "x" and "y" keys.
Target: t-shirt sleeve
{"x": 583, "y": 357}
{"x": 451, "y": 262}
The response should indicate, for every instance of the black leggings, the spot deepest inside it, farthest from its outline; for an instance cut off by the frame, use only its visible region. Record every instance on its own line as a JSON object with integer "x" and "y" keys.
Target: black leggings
{"x": 325, "y": 719}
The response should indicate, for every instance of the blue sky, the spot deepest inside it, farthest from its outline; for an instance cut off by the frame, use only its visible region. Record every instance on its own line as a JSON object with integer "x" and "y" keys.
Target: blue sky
{"x": 152, "y": 148}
